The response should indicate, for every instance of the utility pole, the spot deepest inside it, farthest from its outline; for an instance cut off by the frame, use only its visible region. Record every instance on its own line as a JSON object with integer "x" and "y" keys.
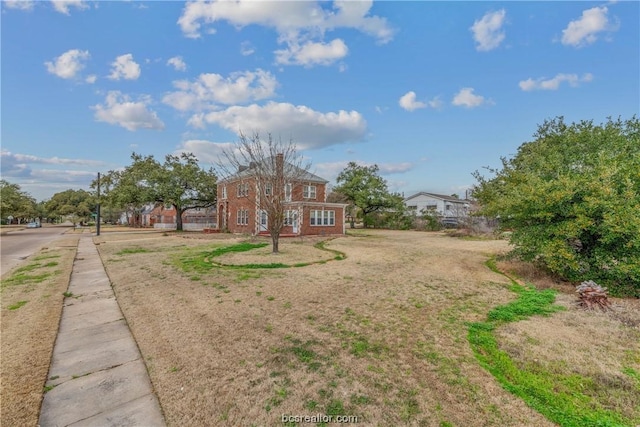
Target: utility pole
{"x": 98, "y": 207}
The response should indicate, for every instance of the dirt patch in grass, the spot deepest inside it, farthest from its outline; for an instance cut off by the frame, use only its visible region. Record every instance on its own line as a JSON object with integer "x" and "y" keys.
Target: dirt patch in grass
{"x": 32, "y": 297}
{"x": 381, "y": 335}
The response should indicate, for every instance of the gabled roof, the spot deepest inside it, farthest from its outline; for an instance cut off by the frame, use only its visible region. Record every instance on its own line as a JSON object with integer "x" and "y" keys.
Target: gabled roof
{"x": 437, "y": 196}
{"x": 248, "y": 171}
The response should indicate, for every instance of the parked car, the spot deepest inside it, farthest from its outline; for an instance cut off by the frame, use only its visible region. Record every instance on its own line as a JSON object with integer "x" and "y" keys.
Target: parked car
{"x": 34, "y": 225}
{"x": 449, "y": 222}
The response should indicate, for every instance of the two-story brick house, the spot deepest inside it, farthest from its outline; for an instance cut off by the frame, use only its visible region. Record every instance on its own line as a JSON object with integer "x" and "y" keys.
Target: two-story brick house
{"x": 241, "y": 200}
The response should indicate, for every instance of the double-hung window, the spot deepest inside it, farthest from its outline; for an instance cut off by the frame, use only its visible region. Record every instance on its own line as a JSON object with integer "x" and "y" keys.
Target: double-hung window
{"x": 243, "y": 189}
{"x": 289, "y": 216}
{"x": 242, "y": 217}
{"x": 309, "y": 192}
{"x": 287, "y": 192}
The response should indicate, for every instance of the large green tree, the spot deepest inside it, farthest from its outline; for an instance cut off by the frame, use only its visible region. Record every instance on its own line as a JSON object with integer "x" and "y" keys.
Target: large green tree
{"x": 129, "y": 189}
{"x": 365, "y": 189}
{"x": 15, "y": 203}
{"x": 572, "y": 199}
{"x": 76, "y": 205}
{"x": 179, "y": 182}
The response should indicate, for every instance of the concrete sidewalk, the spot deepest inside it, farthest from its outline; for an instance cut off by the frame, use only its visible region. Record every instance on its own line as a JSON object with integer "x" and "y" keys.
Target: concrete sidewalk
{"x": 97, "y": 373}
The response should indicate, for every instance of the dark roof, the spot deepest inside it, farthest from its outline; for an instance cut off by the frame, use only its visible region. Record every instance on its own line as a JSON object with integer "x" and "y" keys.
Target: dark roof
{"x": 303, "y": 175}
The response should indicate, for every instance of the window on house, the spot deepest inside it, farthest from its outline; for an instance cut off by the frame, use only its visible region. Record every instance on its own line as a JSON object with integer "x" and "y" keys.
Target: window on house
{"x": 243, "y": 190}
{"x": 268, "y": 189}
{"x": 287, "y": 192}
{"x": 431, "y": 207}
{"x": 289, "y": 216}
{"x": 224, "y": 192}
{"x": 322, "y": 218}
{"x": 448, "y": 207}
{"x": 309, "y": 192}
{"x": 242, "y": 217}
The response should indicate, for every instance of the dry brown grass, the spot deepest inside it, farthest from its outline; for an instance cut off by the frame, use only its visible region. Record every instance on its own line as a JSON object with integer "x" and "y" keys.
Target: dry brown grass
{"x": 29, "y": 330}
{"x": 380, "y": 335}
{"x": 594, "y": 344}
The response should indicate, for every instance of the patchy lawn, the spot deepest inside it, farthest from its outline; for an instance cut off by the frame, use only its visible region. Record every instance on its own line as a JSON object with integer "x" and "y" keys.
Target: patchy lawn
{"x": 32, "y": 297}
{"x": 380, "y": 333}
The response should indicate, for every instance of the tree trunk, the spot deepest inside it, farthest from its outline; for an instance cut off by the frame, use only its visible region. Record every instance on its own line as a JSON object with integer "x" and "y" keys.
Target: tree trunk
{"x": 178, "y": 219}
{"x": 275, "y": 240}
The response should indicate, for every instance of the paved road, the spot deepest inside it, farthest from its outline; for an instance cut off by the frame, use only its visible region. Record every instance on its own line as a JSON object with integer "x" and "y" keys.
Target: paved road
{"x": 15, "y": 246}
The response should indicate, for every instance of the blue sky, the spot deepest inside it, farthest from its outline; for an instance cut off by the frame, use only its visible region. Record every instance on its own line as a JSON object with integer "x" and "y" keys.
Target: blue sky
{"x": 428, "y": 91}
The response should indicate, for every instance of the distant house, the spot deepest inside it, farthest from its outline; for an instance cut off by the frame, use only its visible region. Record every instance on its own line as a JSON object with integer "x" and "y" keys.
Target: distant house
{"x": 305, "y": 207}
{"x": 443, "y": 206}
{"x": 196, "y": 219}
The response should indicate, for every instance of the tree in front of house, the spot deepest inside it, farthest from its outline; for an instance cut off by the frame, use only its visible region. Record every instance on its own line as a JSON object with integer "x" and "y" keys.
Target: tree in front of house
{"x": 365, "y": 189}
{"x": 179, "y": 183}
{"x": 15, "y": 203}
{"x": 274, "y": 167}
{"x": 129, "y": 189}
{"x": 572, "y": 199}
{"x": 74, "y": 205}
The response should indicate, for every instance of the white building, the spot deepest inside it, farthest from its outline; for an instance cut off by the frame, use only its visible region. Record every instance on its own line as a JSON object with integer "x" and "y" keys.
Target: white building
{"x": 444, "y": 206}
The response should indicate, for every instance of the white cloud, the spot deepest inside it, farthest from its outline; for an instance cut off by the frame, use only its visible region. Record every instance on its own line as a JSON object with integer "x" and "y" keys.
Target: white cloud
{"x": 307, "y": 128}
{"x": 120, "y": 110}
{"x": 91, "y": 79}
{"x": 177, "y": 63}
{"x": 246, "y": 48}
{"x": 17, "y": 158}
{"x": 287, "y": 18}
{"x": 487, "y": 32}
{"x": 554, "y": 83}
{"x": 210, "y": 89}
{"x": 19, "y": 4}
{"x": 409, "y": 103}
{"x": 435, "y": 103}
{"x": 583, "y": 31}
{"x": 206, "y": 151}
{"x": 63, "y": 6}
{"x": 466, "y": 98}
{"x": 311, "y": 53}
{"x": 301, "y": 25}
{"x": 124, "y": 67}
{"x": 67, "y": 65}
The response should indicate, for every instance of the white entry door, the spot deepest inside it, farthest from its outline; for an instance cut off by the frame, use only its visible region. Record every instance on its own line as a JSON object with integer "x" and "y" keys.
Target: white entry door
{"x": 264, "y": 221}
{"x": 294, "y": 222}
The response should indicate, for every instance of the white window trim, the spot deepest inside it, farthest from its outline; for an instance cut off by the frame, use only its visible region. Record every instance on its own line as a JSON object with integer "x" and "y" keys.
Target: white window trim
{"x": 243, "y": 189}
{"x": 327, "y": 218}
{"x": 288, "y": 190}
{"x": 242, "y": 217}
{"x": 309, "y": 192}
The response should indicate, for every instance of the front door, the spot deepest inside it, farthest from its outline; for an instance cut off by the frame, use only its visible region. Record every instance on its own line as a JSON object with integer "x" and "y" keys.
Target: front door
{"x": 294, "y": 222}
{"x": 264, "y": 221}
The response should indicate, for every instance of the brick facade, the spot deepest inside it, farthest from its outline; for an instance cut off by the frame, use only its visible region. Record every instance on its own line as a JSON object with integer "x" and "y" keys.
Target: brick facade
{"x": 307, "y": 211}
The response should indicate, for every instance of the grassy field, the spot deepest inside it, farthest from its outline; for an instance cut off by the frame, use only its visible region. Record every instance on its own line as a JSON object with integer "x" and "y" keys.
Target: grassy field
{"x": 391, "y": 328}
{"x": 32, "y": 297}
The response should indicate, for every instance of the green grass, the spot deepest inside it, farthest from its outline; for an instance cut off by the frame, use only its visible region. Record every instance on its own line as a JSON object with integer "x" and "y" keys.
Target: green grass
{"x": 129, "y": 251}
{"x": 17, "y": 305}
{"x": 23, "y": 279}
{"x": 561, "y": 397}
{"x": 203, "y": 261}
